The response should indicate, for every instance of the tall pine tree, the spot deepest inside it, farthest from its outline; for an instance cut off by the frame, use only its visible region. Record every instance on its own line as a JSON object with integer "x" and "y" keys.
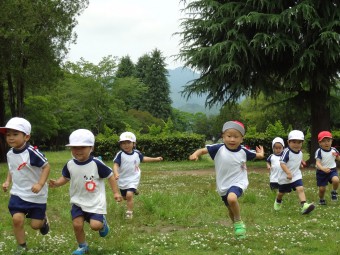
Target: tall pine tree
{"x": 150, "y": 69}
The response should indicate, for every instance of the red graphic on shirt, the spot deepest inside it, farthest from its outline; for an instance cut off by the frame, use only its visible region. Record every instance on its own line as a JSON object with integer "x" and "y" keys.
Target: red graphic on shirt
{"x": 90, "y": 186}
{"x": 21, "y": 166}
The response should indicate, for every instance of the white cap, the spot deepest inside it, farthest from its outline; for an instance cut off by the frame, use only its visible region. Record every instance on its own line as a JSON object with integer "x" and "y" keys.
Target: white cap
{"x": 127, "y": 136}
{"x": 17, "y": 123}
{"x": 296, "y": 135}
{"x": 278, "y": 140}
{"x": 81, "y": 137}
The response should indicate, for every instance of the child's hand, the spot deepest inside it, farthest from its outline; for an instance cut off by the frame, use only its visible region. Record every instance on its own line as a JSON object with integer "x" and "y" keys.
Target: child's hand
{"x": 36, "y": 188}
{"x": 116, "y": 176}
{"x": 118, "y": 197}
{"x": 193, "y": 157}
{"x": 159, "y": 158}
{"x": 5, "y": 186}
{"x": 52, "y": 183}
{"x": 289, "y": 176}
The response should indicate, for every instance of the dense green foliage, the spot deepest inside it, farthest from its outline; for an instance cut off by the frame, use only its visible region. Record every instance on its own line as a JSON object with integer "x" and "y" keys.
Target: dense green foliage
{"x": 170, "y": 147}
{"x": 247, "y": 47}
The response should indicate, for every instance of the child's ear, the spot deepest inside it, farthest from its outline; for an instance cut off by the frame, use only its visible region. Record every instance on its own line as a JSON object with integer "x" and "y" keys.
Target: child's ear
{"x": 27, "y": 138}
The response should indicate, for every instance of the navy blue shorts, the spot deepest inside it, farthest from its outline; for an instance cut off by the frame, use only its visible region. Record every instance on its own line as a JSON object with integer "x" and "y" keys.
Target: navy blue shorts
{"x": 76, "y": 211}
{"x": 322, "y": 178}
{"x": 31, "y": 210}
{"x": 274, "y": 185}
{"x": 287, "y": 188}
{"x": 233, "y": 189}
{"x": 124, "y": 191}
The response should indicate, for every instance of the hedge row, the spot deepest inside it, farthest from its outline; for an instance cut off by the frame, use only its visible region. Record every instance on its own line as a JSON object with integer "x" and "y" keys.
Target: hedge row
{"x": 171, "y": 148}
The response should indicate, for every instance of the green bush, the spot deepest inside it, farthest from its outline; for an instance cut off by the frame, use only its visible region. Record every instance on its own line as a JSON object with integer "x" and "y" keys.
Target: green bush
{"x": 172, "y": 147}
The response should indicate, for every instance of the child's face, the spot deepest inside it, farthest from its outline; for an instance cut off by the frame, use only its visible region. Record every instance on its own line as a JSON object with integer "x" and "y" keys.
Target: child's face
{"x": 127, "y": 146}
{"x": 277, "y": 148}
{"x": 326, "y": 143}
{"x": 81, "y": 153}
{"x": 232, "y": 138}
{"x": 295, "y": 145}
{"x": 16, "y": 139}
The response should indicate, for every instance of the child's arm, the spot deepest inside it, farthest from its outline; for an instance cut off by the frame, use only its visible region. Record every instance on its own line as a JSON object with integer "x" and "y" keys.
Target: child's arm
{"x": 115, "y": 170}
{"x": 114, "y": 187}
{"x": 43, "y": 178}
{"x": 268, "y": 166}
{"x": 198, "y": 153}
{"x": 149, "y": 159}
{"x": 286, "y": 170}
{"x": 259, "y": 152}
{"x": 320, "y": 167}
{"x": 57, "y": 183}
{"x": 8, "y": 181}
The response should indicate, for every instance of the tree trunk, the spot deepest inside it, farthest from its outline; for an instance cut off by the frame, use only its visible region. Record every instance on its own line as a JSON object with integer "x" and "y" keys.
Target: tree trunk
{"x": 320, "y": 116}
{"x": 2, "y": 123}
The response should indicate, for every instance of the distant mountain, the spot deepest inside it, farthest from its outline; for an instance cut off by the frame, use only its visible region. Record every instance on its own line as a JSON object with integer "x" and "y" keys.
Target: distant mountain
{"x": 178, "y": 78}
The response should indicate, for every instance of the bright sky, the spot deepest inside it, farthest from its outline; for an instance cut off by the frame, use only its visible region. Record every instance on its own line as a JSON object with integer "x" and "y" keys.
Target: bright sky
{"x": 128, "y": 27}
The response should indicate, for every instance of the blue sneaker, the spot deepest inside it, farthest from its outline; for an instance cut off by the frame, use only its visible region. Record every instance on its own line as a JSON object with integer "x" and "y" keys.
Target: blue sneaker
{"x": 46, "y": 227}
{"x": 82, "y": 249}
{"x": 105, "y": 230}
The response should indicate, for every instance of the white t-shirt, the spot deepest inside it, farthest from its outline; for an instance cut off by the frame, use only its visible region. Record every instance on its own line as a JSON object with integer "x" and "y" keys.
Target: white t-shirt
{"x": 129, "y": 171}
{"x": 275, "y": 167}
{"x": 87, "y": 184}
{"x": 292, "y": 160}
{"x": 230, "y": 166}
{"x": 327, "y": 158}
{"x": 25, "y": 167}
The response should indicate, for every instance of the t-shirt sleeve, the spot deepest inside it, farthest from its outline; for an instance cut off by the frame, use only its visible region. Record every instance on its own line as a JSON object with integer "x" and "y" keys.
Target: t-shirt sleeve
{"x": 65, "y": 172}
{"x": 118, "y": 158}
{"x": 103, "y": 170}
{"x": 213, "y": 149}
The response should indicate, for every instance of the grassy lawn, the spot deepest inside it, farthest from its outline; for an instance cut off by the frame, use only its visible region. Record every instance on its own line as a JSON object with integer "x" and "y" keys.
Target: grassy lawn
{"x": 179, "y": 212}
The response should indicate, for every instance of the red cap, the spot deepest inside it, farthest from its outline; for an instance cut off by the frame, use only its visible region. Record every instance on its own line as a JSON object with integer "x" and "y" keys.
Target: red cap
{"x": 324, "y": 134}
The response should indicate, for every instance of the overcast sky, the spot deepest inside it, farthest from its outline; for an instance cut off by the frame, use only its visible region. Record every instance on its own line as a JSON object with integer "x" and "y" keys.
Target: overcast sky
{"x": 127, "y": 27}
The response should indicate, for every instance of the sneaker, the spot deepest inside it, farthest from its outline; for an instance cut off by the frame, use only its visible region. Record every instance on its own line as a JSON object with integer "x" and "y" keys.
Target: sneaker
{"x": 82, "y": 249}
{"x": 129, "y": 215}
{"x": 334, "y": 196}
{"x": 46, "y": 227}
{"x": 105, "y": 230}
{"x": 240, "y": 229}
{"x": 307, "y": 208}
{"x": 322, "y": 202}
{"x": 277, "y": 206}
{"x": 20, "y": 250}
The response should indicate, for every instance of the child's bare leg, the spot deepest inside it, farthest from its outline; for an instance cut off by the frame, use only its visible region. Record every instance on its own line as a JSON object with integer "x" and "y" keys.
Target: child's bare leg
{"x": 335, "y": 182}
{"x": 322, "y": 190}
{"x": 37, "y": 224}
{"x": 234, "y": 208}
{"x": 18, "y": 220}
{"x": 78, "y": 228}
{"x": 129, "y": 200}
{"x": 301, "y": 193}
{"x": 96, "y": 225}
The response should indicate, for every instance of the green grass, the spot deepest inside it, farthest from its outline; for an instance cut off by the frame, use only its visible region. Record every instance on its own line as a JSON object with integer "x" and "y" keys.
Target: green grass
{"x": 179, "y": 212}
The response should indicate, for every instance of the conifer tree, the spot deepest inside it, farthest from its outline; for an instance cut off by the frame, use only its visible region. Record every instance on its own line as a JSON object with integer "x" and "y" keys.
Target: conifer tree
{"x": 246, "y": 47}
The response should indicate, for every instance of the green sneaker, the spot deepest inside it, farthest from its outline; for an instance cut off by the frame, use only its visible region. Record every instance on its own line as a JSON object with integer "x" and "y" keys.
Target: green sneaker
{"x": 240, "y": 229}
{"x": 307, "y": 208}
{"x": 21, "y": 250}
{"x": 277, "y": 206}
